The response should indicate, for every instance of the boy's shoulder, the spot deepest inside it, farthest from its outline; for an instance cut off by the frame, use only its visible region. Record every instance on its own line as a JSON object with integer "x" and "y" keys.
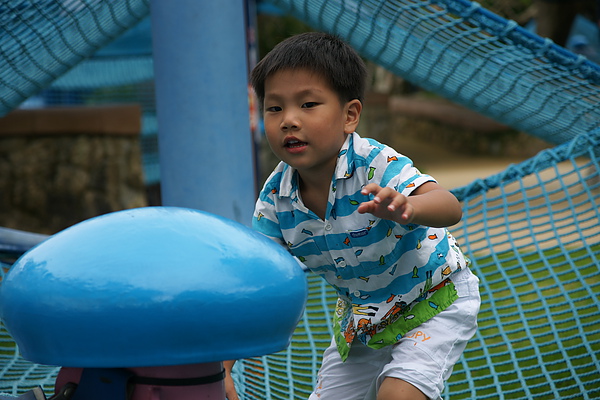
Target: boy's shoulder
{"x": 369, "y": 149}
{"x": 368, "y": 144}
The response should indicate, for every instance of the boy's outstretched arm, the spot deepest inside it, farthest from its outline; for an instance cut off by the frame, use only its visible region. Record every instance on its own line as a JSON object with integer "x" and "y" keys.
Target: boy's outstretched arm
{"x": 429, "y": 204}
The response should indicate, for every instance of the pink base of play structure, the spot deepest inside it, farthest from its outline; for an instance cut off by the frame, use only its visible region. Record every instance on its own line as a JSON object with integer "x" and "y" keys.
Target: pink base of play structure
{"x": 213, "y": 391}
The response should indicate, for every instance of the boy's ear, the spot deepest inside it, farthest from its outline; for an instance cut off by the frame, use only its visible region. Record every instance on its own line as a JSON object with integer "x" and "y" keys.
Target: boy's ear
{"x": 353, "y": 109}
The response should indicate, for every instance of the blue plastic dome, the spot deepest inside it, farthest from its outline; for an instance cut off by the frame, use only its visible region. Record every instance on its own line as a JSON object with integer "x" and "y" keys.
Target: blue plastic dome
{"x": 152, "y": 286}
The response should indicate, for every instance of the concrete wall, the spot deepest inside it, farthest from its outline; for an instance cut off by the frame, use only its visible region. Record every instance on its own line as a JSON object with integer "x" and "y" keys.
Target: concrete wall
{"x": 61, "y": 166}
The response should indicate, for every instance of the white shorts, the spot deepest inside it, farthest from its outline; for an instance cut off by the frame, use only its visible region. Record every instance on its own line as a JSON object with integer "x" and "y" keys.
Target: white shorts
{"x": 424, "y": 357}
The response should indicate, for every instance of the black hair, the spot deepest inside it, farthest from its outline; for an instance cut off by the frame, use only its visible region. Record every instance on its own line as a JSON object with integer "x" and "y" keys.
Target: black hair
{"x": 318, "y": 52}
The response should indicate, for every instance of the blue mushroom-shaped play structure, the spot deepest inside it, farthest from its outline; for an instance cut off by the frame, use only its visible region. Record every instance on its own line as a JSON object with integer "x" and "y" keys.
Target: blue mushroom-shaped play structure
{"x": 152, "y": 287}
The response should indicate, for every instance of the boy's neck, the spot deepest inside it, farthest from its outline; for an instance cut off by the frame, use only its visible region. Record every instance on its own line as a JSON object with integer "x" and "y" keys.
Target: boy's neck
{"x": 314, "y": 191}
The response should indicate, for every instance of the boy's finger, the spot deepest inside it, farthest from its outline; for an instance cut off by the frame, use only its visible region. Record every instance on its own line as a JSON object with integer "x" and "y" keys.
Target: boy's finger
{"x": 385, "y": 195}
{"x": 371, "y": 188}
{"x": 396, "y": 202}
{"x": 367, "y": 207}
{"x": 363, "y": 208}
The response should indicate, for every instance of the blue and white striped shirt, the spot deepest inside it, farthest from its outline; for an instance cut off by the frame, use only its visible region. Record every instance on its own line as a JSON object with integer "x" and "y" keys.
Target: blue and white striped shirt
{"x": 380, "y": 269}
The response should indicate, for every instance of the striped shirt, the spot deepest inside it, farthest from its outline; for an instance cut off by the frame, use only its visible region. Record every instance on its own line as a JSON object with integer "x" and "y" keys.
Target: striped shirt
{"x": 390, "y": 278}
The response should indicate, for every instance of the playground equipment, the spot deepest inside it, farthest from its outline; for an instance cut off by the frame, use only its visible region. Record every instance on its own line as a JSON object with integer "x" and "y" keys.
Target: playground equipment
{"x": 149, "y": 301}
{"x": 531, "y": 231}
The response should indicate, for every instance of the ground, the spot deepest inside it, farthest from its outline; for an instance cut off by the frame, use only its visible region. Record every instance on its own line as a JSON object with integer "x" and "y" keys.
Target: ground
{"x": 451, "y": 168}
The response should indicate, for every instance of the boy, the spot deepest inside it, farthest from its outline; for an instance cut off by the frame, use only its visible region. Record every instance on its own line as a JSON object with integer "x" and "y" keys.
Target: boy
{"x": 360, "y": 215}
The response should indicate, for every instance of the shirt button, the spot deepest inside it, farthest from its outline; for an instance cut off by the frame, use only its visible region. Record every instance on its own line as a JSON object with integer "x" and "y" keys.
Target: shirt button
{"x": 342, "y": 264}
{"x": 356, "y": 293}
{"x": 328, "y": 226}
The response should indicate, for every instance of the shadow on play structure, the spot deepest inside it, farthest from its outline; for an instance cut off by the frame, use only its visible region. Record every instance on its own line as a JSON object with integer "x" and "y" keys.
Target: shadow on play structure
{"x": 145, "y": 304}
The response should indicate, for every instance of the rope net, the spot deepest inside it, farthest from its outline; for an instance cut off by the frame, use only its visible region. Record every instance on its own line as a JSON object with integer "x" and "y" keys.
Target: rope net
{"x": 463, "y": 52}
{"x": 80, "y": 53}
{"x": 531, "y": 231}
{"x": 532, "y": 235}
{"x": 40, "y": 40}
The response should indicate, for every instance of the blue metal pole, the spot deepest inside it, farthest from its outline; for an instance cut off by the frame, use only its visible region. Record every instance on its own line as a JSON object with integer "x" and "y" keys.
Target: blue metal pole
{"x": 201, "y": 77}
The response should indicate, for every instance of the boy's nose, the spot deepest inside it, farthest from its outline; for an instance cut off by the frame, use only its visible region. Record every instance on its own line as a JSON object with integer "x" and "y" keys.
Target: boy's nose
{"x": 286, "y": 127}
{"x": 289, "y": 122}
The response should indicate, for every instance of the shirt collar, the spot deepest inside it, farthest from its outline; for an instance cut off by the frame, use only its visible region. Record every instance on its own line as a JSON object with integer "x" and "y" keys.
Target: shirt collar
{"x": 344, "y": 168}
{"x": 289, "y": 181}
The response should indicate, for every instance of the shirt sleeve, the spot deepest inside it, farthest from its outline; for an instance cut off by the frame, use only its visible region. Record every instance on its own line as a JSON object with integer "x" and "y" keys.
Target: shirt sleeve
{"x": 265, "y": 218}
{"x": 399, "y": 172}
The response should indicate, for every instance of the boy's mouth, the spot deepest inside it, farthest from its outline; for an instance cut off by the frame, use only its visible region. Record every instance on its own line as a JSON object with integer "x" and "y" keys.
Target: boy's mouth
{"x": 294, "y": 143}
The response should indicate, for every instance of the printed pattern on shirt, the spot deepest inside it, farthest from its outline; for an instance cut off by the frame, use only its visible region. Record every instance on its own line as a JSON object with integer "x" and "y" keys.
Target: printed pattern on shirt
{"x": 380, "y": 269}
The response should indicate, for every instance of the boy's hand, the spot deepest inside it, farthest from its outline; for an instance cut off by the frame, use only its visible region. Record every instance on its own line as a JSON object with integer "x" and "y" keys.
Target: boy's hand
{"x": 387, "y": 204}
{"x": 429, "y": 205}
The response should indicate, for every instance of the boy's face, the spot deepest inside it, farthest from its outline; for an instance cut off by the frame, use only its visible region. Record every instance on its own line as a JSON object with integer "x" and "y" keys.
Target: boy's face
{"x": 305, "y": 122}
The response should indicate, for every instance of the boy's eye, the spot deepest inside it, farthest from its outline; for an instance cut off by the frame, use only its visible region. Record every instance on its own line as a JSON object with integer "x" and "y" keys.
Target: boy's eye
{"x": 273, "y": 109}
{"x": 309, "y": 104}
